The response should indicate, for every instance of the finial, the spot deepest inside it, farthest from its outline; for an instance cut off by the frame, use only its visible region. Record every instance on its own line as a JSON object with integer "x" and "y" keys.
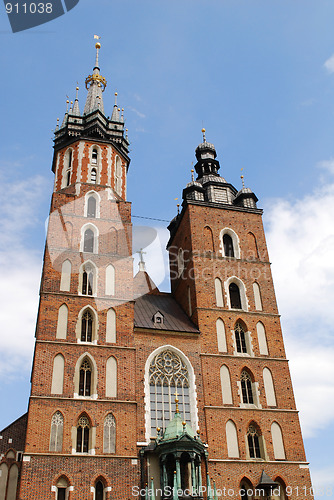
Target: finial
{"x": 118, "y": 109}
{"x": 126, "y": 134}
{"x": 192, "y": 175}
{"x": 67, "y": 101}
{"x": 184, "y": 423}
{"x": 158, "y": 430}
{"x": 203, "y": 132}
{"x": 77, "y": 90}
{"x": 57, "y": 126}
{"x": 141, "y": 261}
{"x": 176, "y": 402}
{"x": 178, "y": 208}
{"x": 242, "y": 178}
{"x": 97, "y": 46}
{"x": 71, "y": 106}
{"x": 122, "y": 116}
{"x": 116, "y": 98}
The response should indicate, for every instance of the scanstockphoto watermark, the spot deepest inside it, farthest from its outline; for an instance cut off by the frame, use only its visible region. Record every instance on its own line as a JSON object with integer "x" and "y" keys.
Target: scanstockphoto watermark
{"x": 25, "y": 14}
{"x": 169, "y": 491}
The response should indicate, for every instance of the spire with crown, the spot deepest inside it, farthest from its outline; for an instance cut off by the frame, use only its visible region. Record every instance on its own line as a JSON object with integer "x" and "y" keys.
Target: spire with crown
{"x": 95, "y": 84}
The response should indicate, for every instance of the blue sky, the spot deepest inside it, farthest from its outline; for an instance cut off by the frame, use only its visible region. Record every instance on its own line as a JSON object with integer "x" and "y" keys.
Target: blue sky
{"x": 259, "y": 76}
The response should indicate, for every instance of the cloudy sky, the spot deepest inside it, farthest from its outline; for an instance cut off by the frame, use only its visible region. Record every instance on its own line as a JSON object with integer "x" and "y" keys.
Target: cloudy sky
{"x": 259, "y": 76}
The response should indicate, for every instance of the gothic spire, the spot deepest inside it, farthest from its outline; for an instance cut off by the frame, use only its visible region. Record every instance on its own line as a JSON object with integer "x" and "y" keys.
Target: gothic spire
{"x": 76, "y": 110}
{"x": 95, "y": 84}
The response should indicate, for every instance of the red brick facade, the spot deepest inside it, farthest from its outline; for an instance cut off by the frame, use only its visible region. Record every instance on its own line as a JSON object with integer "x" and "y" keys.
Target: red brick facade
{"x": 51, "y": 462}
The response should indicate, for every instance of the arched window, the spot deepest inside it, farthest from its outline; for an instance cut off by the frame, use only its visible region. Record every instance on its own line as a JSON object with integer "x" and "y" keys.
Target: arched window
{"x": 118, "y": 175}
{"x": 56, "y": 434}
{"x": 3, "y": 480}
{"x": 269, "y": 387}
{"x": 110, "y": 280}
{"x": 111, "y": 326}
{"x": 99, "y": 489}
{"x": 221, "y": 337}
{"x": 228, "y": 245}
{"x": 94, "y": 156}
{"x": 58, "y": 375}
{"x": 246, "y": 489}
{"x": 280, "y": 489}
{"x": 62, "y": 488}
{"x": 219, "y": 293}
{"x": 87, "y": 282}
{"x": 261, "y": 338}
{"x": 225, "y": 381}
{"x": 68, "y": 168}
{"x": 87, "y": 327}
{"x": 12, "y": 482}
{"x": 111, "y": 377}
{"x": 65, "y": 280}
{"x": 257, "y": 297}
{"x": 109, "y": 434}
{"x": 91, "y": 207}
{"x": 240, "y": 338}
{"x": 246, "y": 388}
{"x": 93, "y": 175}
{"x": 62, "y": 322}
{"x": 85, "y": 378}
{"x": 235, "y": 299}
{"x": 83, "y": 429}
{"x": 88, "y": 241}
{"x": 168, "y": 374}
{"x": 232, "y": 440}
{"x": 277, "y": 438}
{"x": 253, "y": 440}
{"x": 208, "y": 244}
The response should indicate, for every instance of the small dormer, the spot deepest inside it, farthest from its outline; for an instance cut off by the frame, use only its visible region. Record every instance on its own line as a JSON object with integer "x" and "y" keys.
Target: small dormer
{"x": 158, "y": 318}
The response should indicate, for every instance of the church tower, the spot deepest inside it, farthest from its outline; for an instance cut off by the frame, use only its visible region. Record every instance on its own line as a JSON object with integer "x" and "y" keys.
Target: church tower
{"x": 82, "y": 404}
{"x": 142, "y": 394}
{"x": 220, "y": 275}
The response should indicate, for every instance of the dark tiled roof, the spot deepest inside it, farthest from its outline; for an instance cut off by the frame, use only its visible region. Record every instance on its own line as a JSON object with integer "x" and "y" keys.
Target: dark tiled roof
{"x": 174, "y": 319}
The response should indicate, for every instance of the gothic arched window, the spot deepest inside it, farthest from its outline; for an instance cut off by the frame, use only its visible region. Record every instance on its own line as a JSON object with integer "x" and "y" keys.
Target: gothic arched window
{"x": 99, "y": 488}
{"x": 87, "y": 327}
{"x": 228, "y": 245}
{"x": 85, "y": 378}
{"x": 69, "y": 168}
{"x": 253, "y": 440}
{"x": 56, "y": 435}
{"x": 109, "y": 434}
{"x": 240, "y": 338}
{"x": 235, "y": 299}
{"x": 246, "y": 388}
{"x": 83, "y": 428}
{"x": 91, "y": 207}
{"x": 87, "y": 282}
{"x": 168, "y": 375}
{"x": 88, "y": 241}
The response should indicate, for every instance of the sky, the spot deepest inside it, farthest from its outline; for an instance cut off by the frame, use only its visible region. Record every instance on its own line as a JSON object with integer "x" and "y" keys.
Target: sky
{"x": 259, "y": 76}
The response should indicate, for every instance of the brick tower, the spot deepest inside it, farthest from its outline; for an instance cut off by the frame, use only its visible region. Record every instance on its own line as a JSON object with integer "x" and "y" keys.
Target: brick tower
{"x": 140, "y": 393}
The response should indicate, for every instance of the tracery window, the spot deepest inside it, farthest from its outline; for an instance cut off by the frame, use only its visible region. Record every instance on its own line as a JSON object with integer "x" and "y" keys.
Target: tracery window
{"x": 168, "y": 375}
{"x": 56, "y": 435}
{"x": 228, "y": 245}
{"x": 109, "y": 434}
{"x": 246, "y": 388}
{"x": 240, "y": 338}
{"x": 235, "y": 299}
{"x": 253, "y": 439}
{"x": 83, "y": 428}
{"x": 85, "y": 378}
{"x": 86, "y": 327}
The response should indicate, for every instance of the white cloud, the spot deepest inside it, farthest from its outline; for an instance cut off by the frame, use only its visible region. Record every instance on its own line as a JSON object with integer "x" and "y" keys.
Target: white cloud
{"x": 329, "y": 64}
{"x": 20, "y": 270}
{"x": 300, "y": 238}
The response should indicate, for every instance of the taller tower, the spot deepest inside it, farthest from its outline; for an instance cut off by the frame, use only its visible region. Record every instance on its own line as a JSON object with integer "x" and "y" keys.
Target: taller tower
{"x": 81, "y": 409}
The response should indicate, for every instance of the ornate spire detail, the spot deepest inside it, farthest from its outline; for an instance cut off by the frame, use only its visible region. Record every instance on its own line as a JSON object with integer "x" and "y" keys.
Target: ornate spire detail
{"x": 66, "y": 115}
{"x": 95, "y": 84}
{"x": 115, "y": 111}
{"x": 76, "y": 110}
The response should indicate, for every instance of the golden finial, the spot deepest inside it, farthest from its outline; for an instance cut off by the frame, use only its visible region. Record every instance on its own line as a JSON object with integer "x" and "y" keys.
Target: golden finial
{"x": 192, "y": 175}
{"x": 97, "y": 45}
{"x": 203, "y": 132}
{"x": 198, "y": 431}
{"x": 158, "y": 429}
{"x": 242, "y": 178}
{"x": 184, "y": 423}
{"x": 152, "y": 478}
{"x": 178, "y": 208}
{"x": 57, "y": 120}
{"x": 176, "y": 398}
{"x": 118, "y": 109}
